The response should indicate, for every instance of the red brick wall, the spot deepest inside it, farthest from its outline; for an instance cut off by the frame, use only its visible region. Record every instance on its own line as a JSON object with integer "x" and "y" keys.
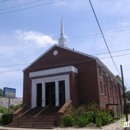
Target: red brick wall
{"x": 114, "y": 90}
{"x": 87, "y": 74}
{"x": 86, "y": 82}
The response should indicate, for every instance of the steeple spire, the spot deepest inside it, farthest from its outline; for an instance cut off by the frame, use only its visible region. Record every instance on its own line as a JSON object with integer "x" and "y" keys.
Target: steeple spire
{"x": 62, "y": 39}
{"x": 62, "y": 27}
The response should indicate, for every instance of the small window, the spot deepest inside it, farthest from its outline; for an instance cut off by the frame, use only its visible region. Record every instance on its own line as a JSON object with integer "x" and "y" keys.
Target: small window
{"x": 104, "y": 84}
{"x": 116, "y": 91}
{"x": 105, "y": 89}
{"x": 100, "y": 70}
{"x": 104, "y": 78}
{"x": 111, "y": 87}
{"x": 101, "y": 88}
{"x": 109, "y": 82}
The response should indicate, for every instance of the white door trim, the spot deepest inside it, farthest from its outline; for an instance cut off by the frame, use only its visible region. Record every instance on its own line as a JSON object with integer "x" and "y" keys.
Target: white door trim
{"x": 50, "y": 79}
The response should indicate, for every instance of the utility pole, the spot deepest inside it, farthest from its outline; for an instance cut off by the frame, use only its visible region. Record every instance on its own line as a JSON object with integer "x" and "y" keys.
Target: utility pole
{"x": 9, "y": 99}
{"x": 125, "y": 107}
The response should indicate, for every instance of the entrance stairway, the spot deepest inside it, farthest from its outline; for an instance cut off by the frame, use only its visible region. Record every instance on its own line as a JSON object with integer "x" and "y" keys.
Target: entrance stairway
{"x": 38, "y": 117}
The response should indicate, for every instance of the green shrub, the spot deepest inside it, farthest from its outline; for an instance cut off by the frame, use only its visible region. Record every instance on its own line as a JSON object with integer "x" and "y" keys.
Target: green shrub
{"x": 3, "y": 110}
{"x": 98, "y": 122}
{"x": 82, "y": 121}
{"x": 112, "y": 113}
{"x": 106, "y": 118}
{"x": 13, "y": 107}
{"x": 84, "y": 115}
{"x": 6, "y": 118}
{"x": 67, "y": 120}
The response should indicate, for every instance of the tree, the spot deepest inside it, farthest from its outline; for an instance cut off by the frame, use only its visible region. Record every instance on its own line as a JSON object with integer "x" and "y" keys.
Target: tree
{"x": 127, "y": 93}
{"x": 119, "y": 78}
{"x": 1, "y": 92}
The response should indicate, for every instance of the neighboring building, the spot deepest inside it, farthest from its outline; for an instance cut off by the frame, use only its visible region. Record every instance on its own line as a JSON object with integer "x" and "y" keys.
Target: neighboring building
{"x": 62, "y": 74}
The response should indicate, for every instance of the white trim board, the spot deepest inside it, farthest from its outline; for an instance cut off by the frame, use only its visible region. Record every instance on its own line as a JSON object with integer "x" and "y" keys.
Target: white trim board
{"x": 46, "y": 80}
{"x": 53, "y": 71}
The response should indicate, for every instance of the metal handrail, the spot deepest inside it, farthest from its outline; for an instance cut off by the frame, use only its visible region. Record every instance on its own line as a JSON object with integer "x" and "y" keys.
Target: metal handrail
{"x": 23, "y": 114}
{"x": 39, "y": 113}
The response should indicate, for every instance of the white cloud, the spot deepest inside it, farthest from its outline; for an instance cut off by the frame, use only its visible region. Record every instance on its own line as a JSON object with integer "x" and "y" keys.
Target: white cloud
{"x": 35, "y": 37}
{"x": 17, "y": 50}
{"x": 124, "y": 24}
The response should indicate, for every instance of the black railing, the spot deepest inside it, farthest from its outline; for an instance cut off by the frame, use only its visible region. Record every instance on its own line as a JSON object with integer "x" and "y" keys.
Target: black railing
{"x": 39, "y": 113}
{"x": 24, "y": 114}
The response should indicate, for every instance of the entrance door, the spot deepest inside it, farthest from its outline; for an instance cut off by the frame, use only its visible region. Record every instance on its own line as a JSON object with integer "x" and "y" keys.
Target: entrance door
{"x": 39, "y": 95}
{"x": 50, "y": 93}
{"x": 61, "y": 93}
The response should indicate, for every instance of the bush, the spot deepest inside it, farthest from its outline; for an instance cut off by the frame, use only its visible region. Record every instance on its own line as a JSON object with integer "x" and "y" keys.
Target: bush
{"x": 112, "y": 113}
{"x": 84, "y": 115}
{"x": 106, "y": 118}
{"x": 82, "y": 121}
{"x": 13, "y": 107}
{"x": 98, "y": 122}
{"x": 3, "y": 110}
{"x": 6, "y": 118}
{"x": 67, "y": 120}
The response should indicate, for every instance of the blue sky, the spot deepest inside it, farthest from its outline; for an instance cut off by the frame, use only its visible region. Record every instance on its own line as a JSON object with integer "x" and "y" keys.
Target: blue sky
{"x": 27, "y": 33}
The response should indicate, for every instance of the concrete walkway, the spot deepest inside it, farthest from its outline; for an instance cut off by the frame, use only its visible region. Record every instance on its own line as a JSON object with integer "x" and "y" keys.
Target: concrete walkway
{"x": 113, "y": 126}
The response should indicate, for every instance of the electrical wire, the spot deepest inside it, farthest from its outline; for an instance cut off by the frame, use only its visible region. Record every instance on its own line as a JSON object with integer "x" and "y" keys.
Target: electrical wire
{"x": 92, "y": 54}
{"x": 3, "y": 1}
{"x": 21, "y": 5}
{"x": 32, "y": 7}
{"x": 29, "y": 43}
{"x": 104, "y": 38}
{"x": 60, "y": 64}
{"x": 14, "y": 65}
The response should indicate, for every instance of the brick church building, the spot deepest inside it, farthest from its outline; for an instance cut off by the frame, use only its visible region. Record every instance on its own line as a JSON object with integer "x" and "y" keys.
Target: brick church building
{"x": 61, "y": 74}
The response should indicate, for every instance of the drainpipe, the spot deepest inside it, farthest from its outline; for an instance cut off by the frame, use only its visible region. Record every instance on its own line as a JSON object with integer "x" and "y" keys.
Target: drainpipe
{"x": 79, "y": 91}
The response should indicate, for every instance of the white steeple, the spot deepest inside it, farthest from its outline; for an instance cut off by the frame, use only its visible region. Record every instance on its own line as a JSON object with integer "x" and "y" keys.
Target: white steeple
{"x": 62, "y": 39}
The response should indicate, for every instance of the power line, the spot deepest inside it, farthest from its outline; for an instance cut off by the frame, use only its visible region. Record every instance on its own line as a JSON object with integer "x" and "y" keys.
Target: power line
{"x": 10, "y": 71}
{"x": 59, "y": 64}
{"x": 3, "y": 1}
{"x": 115, "y": 56}
{"x": 98, "y": 34}
{"x": 105, "y": 31}
{"x": 111, "y": 52}
{"x": 57, "y": 38}
{"x": 92, "y": 54}
{"x": 20, "y": 5}
{"x": 104, "y": 37}
{"x": 14, "y": 65}
{"x": 31, "y": 7}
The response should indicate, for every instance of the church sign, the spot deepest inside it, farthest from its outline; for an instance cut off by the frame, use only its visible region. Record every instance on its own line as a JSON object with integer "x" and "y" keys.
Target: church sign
{"x": 9, "y": 92}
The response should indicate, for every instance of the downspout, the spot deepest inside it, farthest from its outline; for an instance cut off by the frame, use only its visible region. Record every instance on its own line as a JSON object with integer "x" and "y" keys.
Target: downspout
{"x": 79, "y": 90}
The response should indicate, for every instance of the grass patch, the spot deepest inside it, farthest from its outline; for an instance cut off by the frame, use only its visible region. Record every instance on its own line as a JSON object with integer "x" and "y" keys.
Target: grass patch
{"x": 122, "y": 115}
